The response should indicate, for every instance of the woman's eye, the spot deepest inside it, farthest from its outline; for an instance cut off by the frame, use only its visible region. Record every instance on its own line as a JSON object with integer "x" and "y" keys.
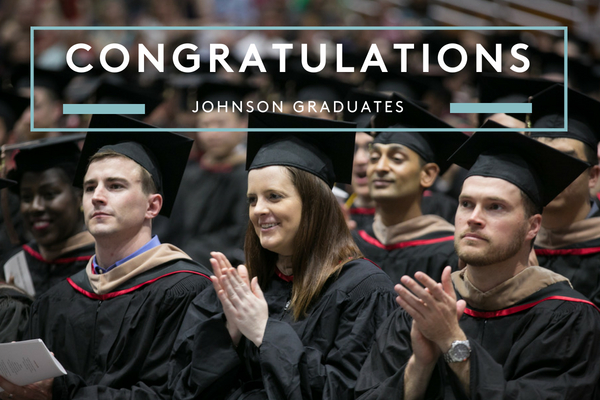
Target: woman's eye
{"x": 49, "y": 196}
{"x": 251, "y": 200}
{"x": 274, "y": 196}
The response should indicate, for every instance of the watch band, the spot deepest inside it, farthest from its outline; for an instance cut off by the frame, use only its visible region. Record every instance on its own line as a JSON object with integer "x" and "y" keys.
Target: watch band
{"x": 459, "y": 351}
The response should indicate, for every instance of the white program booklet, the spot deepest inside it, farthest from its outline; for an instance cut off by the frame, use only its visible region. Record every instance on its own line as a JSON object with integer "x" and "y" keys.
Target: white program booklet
{"x": 28, "y": 362}
{"x": 16, "y": 269}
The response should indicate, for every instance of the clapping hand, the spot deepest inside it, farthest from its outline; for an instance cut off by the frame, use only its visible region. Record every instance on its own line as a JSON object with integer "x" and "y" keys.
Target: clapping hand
{"x": 243, "y": 302}
{"x": 434, "y": 308}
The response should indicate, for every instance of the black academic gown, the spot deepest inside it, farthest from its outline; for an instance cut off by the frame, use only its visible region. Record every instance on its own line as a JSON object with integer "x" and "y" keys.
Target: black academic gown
{"x": 116, "y": 345}
{"x": 439, "y": 204}
{"x": 317, "y": 357}
{"x": 7, "y": 247}
{"x": 210, "y": 213}
{"x": 429, "y": 253}
{"x": 579, "y": 262}
{"x": 363, "y": 216}
{"x": 14, "y": 312}
{"x": 47, "y": 273}
{"x": 546, "y": 346}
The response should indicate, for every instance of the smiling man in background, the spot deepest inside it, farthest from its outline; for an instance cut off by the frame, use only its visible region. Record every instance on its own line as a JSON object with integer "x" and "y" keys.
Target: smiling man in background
{"x": 402, "y": 165}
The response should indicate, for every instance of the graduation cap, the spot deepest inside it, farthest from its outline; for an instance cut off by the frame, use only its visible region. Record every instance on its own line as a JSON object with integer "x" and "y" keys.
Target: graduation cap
{"x": 215, "y": 90}
{"x": 55, "y": 81}
{"x": 42, "y": 154}
{"x": 83, "y": 87}
{"x": 328, "y": 155}
{"x": 110, "y": 93}
{"x": 550, "y": 63}
{"x": 548, "y": 112}
{"x": 4, "y": 183}
{"x": 407, "y": 84}
{"x": 584, "y": 77}
{"x": 185, "y": 87}
{"x": 581, "y": 69}
{"x": 363, "y": 99}
{"x": 163, "y": 154}
{"x": 433, "y": 147}
{"x": 495, "y": 88}
{"x": 316, "y": 87}
{"x": 11, "y": 108}
{"x": 540, "y": 171}
{"x": 305, "y": 85}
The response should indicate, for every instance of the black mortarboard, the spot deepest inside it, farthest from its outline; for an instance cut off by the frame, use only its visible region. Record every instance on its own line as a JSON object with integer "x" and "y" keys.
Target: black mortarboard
{"x": 328, "y": 155}
{"x": 82, "y": 87}
{"x": 548, "y": 112}
{"x": 215, "y": 90}
{"x": 360, "y": 106}
{"x": 408, "y": 85}
{"x": 495, "y": 88}
{"x": 4, "y": 183}
{"x": 109, "y": 93}
{"x": 42, "y": 154}
{"x": 11, "y": 108}
{"x": 163, "y": 154}
{"x": 551, "y": 63}
{"x": 316, "y": 87}
{"x": 582, "y": 74}
{"x": 293, "y": 67}
{"x": 433, "y": 147}
{"x": 186, "y": 88}
{"x": 55, "y": 81}
{"x": 306, "y": 85}
{"x": 540, "y": 171}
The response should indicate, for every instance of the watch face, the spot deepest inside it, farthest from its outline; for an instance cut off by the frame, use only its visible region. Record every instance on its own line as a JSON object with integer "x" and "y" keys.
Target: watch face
{"x": 460, "y": 352}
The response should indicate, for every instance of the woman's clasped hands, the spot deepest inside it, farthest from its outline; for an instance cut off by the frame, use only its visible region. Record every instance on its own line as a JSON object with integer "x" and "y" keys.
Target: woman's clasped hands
{"x": 243, "y": 302}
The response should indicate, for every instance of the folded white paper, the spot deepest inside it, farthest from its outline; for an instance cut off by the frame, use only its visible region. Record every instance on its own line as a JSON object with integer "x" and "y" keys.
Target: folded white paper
{"x": 27, "y": 362}
{"x": 17, "y": 270}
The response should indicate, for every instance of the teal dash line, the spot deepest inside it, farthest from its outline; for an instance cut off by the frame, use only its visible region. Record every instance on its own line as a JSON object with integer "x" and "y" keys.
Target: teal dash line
{"x": 104, "y": 109}
{"x": 490, "y": 108}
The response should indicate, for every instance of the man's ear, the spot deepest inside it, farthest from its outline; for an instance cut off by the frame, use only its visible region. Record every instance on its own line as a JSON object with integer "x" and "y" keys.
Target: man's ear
{"x": 429, "y": 173}
{"x": 535, "y": 223}
{"x": 594, "y": 174}
{"x": 155, "y": 202}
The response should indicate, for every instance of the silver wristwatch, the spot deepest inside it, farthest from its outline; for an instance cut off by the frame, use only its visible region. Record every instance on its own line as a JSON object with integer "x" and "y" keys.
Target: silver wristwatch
{"x": 460, "y": 350}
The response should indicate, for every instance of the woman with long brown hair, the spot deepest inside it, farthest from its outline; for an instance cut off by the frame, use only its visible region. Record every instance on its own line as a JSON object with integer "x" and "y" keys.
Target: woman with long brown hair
{"x": 298, "y": 320}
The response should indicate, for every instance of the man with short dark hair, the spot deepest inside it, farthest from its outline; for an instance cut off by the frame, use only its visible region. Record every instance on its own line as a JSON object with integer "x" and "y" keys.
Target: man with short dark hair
{"x": 517, "y": 331}
{"x": 402, "y": 165}
{"x": 113, "y": 325}
{"x": 361, "y": 206}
